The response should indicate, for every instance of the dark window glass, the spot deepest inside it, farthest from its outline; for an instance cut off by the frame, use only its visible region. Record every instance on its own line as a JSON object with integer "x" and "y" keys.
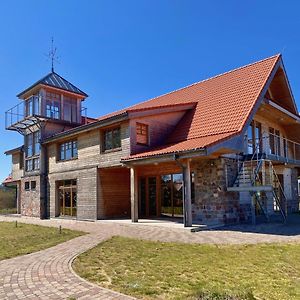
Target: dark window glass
{"x": 29, "y": 165}
{"x": 68, "y": 150}
{"x": 36, "y": 164}
{"x": 53, "y": 105}
{"x": 112, "y": 138}
{"x": 37, "y": 142}
{"x": 29, "y": 145}
{"x": 33, "y": 185}
{"x": 70, "y": 109}
{"x": 27, "y": 186}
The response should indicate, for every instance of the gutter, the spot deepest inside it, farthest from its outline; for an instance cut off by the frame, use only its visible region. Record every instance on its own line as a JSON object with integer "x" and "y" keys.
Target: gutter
{"x": 87, "y": 127}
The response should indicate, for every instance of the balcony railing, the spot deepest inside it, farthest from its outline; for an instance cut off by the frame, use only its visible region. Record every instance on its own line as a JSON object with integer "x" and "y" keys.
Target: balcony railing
{"x": 275, "y": 147}
{"x": 26, "y": 113}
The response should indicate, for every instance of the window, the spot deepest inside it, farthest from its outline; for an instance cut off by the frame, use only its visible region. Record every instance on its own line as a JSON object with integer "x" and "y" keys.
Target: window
{"x": 142, "y": 136}
{"x": 29, "y": 165}
{"x": 112, "y": 138}
{"x": 27, "y": 186}
{"x": 274, "y": 137}
{"x": 70, "y": 109}
{"x": 52, "y": 105}
{"x": 32, "y": 164}
{"x": 33, "y": 185}
{"x": 32, "y": 142}
{"x": 29, "y": 145}
{"x": 21, "y": 164}
{"x": 68, "y": 150}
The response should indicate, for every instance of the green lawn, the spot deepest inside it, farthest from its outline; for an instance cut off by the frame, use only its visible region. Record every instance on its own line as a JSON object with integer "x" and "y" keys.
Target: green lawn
{"x": 26, "y": 238}
{"x": 154, "y": 270}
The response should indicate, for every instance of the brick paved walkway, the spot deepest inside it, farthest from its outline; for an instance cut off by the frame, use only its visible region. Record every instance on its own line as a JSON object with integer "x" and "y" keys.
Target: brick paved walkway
{"x": 47, "y": 274}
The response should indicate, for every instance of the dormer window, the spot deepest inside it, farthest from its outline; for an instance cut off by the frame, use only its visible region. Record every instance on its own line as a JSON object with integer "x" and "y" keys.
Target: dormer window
{"x": 142, "y": 134}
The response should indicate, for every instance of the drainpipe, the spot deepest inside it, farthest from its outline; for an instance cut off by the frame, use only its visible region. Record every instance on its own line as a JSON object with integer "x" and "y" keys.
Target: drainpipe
{"x": 187, "y": 201}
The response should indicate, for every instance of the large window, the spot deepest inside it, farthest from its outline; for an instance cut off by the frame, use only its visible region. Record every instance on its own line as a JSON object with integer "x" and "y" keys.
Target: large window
{"x": 274, "y": 138}
{"x": 32, "y": 142}
{"x": 52, "y": 105}
{"x": 112, "y": 138}
{"x": 70, "y": 109}
{"x": 32, "y": 164}
{"x": 68, "y": 150}
{"x": 254, "y": 136}
{"x": 142, "y": 135}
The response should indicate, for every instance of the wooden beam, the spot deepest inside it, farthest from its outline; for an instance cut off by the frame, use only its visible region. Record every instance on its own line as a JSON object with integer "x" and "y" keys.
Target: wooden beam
{"x": 134, "y": 194}
{"x": 187, "y": 195}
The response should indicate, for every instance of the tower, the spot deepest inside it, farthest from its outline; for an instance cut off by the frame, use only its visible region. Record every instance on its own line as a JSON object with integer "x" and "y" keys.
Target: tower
{"x": 49, "y": 106}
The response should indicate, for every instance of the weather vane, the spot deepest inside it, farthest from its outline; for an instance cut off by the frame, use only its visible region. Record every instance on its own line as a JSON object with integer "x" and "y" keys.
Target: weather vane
{"x": 52, "y": 55}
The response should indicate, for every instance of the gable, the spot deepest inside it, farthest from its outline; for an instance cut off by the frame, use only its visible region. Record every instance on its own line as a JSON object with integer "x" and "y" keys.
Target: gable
{"x": 279, "y": 91}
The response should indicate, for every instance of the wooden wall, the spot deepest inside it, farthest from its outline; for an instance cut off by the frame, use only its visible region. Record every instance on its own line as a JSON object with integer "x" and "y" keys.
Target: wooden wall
{"x": 160, "y": 126}
{"x": 114, "y": 192}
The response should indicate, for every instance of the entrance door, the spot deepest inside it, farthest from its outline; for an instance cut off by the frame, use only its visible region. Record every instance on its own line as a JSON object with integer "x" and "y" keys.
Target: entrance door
{"x": 67, "y": 196}
{"x": 172, "y": 195}
{"x": 148, "y": 196}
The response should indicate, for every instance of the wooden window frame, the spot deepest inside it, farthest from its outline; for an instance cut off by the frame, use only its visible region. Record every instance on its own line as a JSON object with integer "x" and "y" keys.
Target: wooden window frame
{"x": 74, "y": 150}
{"x": 142, "y": 129}
{"x": 115, "y": 147}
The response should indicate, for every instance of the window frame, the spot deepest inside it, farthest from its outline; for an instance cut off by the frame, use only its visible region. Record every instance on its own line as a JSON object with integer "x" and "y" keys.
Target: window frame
{"x": 74, "y": 150}
{"x": 33, "y": 185}
{"x": 115, "y": 146}
{"x": 142, "y": 129}
{"x": 27, "y": 185}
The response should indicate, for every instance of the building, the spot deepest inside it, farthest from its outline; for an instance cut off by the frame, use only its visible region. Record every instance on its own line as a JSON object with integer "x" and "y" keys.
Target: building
{"x": 220, "y": 151}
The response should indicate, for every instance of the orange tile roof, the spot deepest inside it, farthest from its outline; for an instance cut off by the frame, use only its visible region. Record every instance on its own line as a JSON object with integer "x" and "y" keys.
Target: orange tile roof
{"x": 224, "y": 103}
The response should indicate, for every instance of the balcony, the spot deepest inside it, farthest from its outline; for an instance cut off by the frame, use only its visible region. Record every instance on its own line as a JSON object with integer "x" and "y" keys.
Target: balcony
{"x": 275, "y": 148}
{"x": 36, "y": 109}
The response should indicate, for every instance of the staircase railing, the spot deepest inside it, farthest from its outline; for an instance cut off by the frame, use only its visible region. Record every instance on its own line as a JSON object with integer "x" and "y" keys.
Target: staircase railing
{"x": 282, "y": 208}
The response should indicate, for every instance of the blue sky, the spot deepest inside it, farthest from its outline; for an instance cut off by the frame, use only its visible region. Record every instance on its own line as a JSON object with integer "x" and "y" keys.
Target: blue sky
{"x": 123, "y": 52}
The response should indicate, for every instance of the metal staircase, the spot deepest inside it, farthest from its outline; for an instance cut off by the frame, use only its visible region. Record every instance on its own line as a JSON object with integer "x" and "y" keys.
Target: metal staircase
{"x": 258, "y": 177}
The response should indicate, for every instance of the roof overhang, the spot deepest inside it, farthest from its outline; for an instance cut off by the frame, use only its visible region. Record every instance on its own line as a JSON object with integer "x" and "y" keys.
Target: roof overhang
{"x": 13, "y": 151}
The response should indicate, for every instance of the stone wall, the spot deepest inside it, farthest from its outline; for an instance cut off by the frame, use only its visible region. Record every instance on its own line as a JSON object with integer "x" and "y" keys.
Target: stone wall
{"x": 31, "y": 199}
{"x": 213, "y": 204}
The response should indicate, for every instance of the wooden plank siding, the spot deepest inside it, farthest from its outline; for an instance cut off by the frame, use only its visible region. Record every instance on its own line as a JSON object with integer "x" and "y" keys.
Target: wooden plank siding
{"x": 114, "y": 192}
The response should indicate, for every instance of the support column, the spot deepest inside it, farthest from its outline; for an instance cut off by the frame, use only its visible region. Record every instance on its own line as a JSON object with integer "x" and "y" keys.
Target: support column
{"x": 134, "y": 194}
{"x": 187, "y": 195}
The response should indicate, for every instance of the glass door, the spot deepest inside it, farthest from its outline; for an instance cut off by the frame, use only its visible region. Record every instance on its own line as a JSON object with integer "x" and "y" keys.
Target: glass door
{"x": 177, "y": 195}
{"x": 67, "y": 196}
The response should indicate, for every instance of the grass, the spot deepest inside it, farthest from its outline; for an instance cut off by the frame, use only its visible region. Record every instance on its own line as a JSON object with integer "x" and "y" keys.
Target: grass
{"x": 155, "y": 270}
{"x": 26, "y": 238}
{"x": 7, "y": 211}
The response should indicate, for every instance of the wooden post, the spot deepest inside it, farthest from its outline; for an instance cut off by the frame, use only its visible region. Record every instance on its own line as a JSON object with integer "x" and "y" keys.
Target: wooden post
{"x": 187, "y": 195}
{"x": 134, "y": 194}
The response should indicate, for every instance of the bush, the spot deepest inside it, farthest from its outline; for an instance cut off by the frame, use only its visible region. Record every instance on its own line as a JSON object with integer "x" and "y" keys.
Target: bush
{"x": 7, "y": 198}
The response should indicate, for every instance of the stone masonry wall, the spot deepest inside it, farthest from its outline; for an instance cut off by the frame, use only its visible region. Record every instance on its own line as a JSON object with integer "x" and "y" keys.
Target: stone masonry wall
{"x": 213, "y": 204}
{"x": 30, "y": 199}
